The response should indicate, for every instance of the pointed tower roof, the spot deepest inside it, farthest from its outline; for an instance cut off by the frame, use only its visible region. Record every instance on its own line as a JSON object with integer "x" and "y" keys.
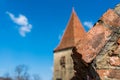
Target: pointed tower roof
{"x": 74, "y": 31}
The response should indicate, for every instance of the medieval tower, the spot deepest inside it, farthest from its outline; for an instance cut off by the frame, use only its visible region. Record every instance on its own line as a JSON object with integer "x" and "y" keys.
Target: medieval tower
{"x": 63, "y": 64}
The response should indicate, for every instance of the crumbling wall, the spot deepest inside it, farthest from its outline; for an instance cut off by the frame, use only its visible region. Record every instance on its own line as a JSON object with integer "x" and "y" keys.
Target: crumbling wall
{"x": 97, "y": 55}
{"x": 108, "y": 61}
{"x": 83, "y": 70}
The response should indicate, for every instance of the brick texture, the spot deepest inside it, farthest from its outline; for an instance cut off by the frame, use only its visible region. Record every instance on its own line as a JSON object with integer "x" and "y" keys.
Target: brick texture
{"x": 97, "y": 55}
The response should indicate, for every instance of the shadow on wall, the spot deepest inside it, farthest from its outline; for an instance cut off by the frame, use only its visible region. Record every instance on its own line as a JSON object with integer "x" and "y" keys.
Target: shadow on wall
{"x": 83, "y": 70}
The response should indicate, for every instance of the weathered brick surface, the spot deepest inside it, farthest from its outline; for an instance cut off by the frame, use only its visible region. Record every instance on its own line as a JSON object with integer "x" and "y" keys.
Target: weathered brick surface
{"x": 99, "y": 50}
{"x": 118, "y": 41}
{"x": 114, "y": 61}
{"x": 111, "y": 18}
{"x": 109, "y": 74}
{"x": 83, "y": 71}
{"x": 117, "y": 51}
{"x": 92, "y": 43}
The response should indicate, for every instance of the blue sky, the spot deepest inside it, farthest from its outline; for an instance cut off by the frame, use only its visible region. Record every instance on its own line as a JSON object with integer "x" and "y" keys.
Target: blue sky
{"x": 31, "y": 29}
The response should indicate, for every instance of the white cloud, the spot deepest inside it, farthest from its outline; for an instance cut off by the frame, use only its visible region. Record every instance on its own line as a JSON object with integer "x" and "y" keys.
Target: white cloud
{"x": 88, "y": 24}
{"x": 61, "y": 34}
{"x": 52, "y": 69}
{"x": 22, "y": 22}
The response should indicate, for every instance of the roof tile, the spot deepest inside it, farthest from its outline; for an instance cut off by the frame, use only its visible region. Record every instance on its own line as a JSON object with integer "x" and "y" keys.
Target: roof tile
{"x": 74, "y": 31}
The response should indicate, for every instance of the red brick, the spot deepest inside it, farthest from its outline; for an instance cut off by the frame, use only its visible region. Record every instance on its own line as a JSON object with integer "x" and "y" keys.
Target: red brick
{"x": 113, "y": 74}
{"x": 118, "y": 41}
{"x": 111, "y": 18}
{"x": 117, "y": 51}
{"x": 114, "y": 61}
{"x": 92, "y": 43}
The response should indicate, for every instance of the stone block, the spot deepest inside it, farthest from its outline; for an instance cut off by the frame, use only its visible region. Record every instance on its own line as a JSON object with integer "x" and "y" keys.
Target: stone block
{"x": 111, "y": 18}
{"x": 117, "y": 51}
{"x": 114, "y": 61}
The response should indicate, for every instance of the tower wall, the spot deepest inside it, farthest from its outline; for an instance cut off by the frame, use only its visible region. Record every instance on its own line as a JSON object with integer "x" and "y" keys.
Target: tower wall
{"x": 63, "y": 65}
